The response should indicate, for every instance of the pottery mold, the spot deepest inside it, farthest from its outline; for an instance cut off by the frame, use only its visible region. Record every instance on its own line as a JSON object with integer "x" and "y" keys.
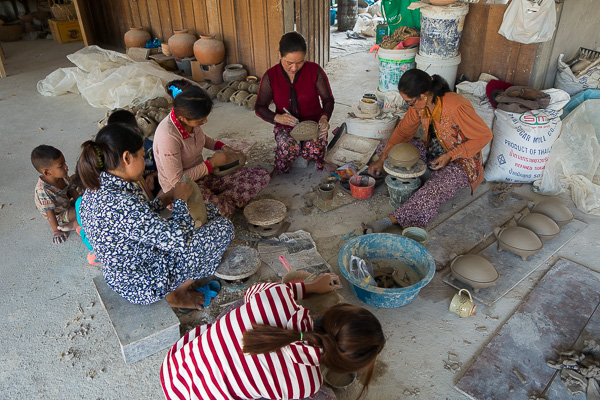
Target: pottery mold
{"x": 305, "y": 130}
{"x": 553, "y": 209}
{"x": 404, "y": 155}
{"x": 474, "y": 271}
{"x": 540, "y": 224}
{"x": 518, "y": 240}
{"x": 234, "y": 162}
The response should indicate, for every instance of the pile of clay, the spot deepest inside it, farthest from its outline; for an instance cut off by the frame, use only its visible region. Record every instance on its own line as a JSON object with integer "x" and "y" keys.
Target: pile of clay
{"x": 391, "y": 274}
{"x": 580, "y": 369}
{"x": 148, "y": 115}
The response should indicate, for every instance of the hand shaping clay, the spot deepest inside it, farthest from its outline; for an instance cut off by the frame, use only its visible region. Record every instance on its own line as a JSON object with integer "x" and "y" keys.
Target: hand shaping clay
{"x": 196, "y": 202}
{"x": 234, "y": 162}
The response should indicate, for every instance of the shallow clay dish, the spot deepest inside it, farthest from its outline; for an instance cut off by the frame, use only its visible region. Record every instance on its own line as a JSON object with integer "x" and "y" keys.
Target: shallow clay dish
{"x": 338, "y": 380}
{"x": 518, "y": 240}
{"x": 238, "y": 262}
{"x": 553, "y": 209}
{"x": 540, "y": 224}
{"x": 234, "y": 162}
{"x": 404, "y": 155}
{"x": 475, "y": 271}
{"x": 305, "y": 130}
{"x": 265, "y": 212}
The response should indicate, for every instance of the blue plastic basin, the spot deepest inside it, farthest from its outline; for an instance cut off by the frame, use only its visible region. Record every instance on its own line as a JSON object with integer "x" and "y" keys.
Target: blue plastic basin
{"x": 395, "y": 248}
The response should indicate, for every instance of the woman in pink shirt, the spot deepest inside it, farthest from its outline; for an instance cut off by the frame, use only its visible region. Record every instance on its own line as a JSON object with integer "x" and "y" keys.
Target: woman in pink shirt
{"x": 178, "y": 144}
{"x": 271, "y": 348}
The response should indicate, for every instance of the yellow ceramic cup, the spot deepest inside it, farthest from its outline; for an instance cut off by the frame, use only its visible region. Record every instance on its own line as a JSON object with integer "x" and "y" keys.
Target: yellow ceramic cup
{"x": 463, "y": 306}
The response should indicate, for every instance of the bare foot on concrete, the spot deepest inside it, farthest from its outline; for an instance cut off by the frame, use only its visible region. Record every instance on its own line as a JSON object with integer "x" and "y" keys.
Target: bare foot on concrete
{"x": 185, "y": 297}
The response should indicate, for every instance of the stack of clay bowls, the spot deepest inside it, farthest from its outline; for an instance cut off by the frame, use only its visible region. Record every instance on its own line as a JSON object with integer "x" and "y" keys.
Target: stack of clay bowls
{"x": 305, "y": 130}
{"x": 532, "y": 230}
{"x": 404, "y": 155}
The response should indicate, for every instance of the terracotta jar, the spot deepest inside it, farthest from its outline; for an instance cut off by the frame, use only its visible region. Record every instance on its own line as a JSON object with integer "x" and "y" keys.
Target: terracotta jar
{"x": 181, "y": 43}
{"x": 136, "y": 37}
{"x": 208, "y": 50}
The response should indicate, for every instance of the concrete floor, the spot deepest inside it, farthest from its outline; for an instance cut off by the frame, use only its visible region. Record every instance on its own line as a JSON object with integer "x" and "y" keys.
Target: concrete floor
{"x": 57, "y": 342}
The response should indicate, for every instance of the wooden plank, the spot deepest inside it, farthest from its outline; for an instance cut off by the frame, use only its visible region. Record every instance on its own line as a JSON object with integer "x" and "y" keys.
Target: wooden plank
{"x": 145, "y": 19}
{"x": 155, "y": 23}
{"x": 176, "y": 16}
{"x": 215, "y": 26}
{"x": 524, "y": 65}
{"x": 244, "y": 26}
{"x": 134, "y": 10}
{"x": 472, "y": 42}
{"x": 2, "y": 58}
{"x": 85, "y": 22}
{"x": 551, "y": 317}
{"x": 189, "y": 18}
{"x": 229, "y": 30}
{"x": 126, "y": 22}
{"x": 164, "y": 14}
{"x": 261, "y": 35}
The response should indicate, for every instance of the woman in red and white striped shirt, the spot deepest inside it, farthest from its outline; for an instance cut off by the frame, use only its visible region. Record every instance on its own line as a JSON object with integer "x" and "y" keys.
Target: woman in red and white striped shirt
{"x": 270, "y": 348}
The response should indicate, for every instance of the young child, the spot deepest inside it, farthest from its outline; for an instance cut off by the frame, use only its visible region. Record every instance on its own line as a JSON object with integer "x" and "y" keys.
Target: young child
{"x": 54, "y": 191}
{"x": 150, "y": 182}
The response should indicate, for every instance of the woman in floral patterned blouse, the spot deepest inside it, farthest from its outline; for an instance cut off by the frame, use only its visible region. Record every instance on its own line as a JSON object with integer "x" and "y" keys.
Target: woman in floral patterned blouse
{"x": 145, "y": 257}
{"x": 454, "y": 137}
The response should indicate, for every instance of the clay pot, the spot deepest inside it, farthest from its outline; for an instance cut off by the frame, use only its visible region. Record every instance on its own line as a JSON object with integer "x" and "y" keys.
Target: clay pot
{"x": 213, "y": 90}
{"x": 517, "y": 240}
{"x": 540, "y": 224}
{"x": 253, "y": 88}
{"x": 238, "y": 97}
{"x": 225, "y": 94}
{"x": 475, "y": 271}
{"x": 234, "y": 72}
{"x": 250, "y": 102}
{"x": 181, "y": 43}
{"x": 136, "y": 37}
{"x": 553, "y": 209}
{"x": 165, "y": 49}
{"x": 305, "y": 130}
{"x": 404, "y": 155}
{"x": 208, "y": 50}
{"x": 235, "y": 161}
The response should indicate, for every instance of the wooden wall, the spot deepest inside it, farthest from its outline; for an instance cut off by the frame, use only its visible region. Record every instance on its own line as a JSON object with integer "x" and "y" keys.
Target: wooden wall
{"x": 483, "y": 49}
{"x": 250, "y": 29}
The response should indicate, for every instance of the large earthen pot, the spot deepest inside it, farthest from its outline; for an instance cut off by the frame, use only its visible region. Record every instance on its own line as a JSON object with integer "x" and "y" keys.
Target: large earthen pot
{"x": 136, "y": 37}
{"x": 208, "y": 50}
{"x": 181, "y": 43}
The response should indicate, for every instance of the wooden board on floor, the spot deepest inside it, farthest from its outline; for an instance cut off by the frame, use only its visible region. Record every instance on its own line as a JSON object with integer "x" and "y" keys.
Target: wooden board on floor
{"x": 340, "y": 198}
{"x": 469, "y": 227}
{"x": 512, "y": 268}
{"x": 551, "y": 317}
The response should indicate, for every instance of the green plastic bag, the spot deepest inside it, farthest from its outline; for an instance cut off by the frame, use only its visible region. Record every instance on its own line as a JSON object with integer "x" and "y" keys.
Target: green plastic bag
{"x": 397, "y": 14}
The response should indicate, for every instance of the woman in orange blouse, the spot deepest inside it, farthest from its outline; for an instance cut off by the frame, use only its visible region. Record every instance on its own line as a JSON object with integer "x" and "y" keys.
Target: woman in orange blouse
{"x": 451, "y": 146}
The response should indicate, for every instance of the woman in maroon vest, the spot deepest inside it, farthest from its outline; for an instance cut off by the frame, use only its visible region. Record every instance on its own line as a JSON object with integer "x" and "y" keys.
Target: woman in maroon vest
{"x": 300, "y": 90}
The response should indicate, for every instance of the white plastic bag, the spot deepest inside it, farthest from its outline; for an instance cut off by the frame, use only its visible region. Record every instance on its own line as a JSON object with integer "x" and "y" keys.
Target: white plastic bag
{"x": 575, "y": 159}
{"x": 361, "y": 271}
{"x": 522, "y": 142}
{"x": 528, "y": 22}
{"x": 566, "y": 80}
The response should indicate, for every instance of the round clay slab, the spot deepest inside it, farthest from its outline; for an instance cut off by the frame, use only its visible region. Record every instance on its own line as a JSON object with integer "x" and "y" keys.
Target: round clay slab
{"x": 238, "y": 262}
{"x": 417, "y": 170}
{"x": 265, "y": 212}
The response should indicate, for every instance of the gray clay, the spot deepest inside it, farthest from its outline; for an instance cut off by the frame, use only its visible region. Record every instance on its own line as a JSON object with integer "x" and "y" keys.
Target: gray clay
{"x": 474, "y": 271}
{"x": 196, "y": 202}
{"x": 553, "y": 209}
{"x": 404, "y": 155}
{"x": 517, "y": 240}
{"x": 540, "y": 224}
{"x": 305, "y": 130}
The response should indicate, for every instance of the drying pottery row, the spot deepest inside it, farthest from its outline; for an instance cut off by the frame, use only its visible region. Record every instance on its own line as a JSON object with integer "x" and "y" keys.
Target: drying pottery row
{"x": 147, "y": 115}
{"x": 243, "y": 93}
{"x": 542, "y": 224}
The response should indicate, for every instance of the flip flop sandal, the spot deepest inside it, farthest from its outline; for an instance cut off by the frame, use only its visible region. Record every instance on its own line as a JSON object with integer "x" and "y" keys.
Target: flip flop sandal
{"x": 210, "y": 291}
{"x": 91, "y": 258}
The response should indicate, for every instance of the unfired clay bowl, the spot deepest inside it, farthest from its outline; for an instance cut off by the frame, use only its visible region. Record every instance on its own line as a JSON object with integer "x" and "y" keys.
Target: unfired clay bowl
{"x": 553, "y": 209}
{"x": 518, "y": 240}
{"x": 540, "y": 224}
{"x": 404, "y": 155}
{"x": 474, "y": 271}
{"x": 305, "y": 130}
{"x": 235, "y": 161}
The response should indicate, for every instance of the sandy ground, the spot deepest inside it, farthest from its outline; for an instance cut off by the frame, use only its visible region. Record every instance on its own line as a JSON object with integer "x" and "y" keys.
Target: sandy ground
{"x": 57, "y": 342}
